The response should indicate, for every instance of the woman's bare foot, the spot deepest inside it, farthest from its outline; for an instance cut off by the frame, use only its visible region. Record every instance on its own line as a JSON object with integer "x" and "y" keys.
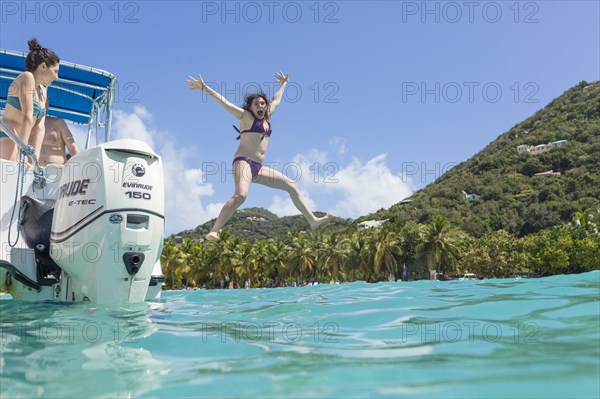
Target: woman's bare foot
{"x": 212, "y": 236}
{"x": 319, "y": 221}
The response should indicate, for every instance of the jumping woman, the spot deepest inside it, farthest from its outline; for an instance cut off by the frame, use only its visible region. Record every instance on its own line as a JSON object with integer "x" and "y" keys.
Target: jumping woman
{"x": 254, "y": 135}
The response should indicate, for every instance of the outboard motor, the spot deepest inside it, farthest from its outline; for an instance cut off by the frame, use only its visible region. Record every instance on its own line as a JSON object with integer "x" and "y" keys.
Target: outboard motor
{"x": 35, "y": 226}
{"x": 108, "y": 224}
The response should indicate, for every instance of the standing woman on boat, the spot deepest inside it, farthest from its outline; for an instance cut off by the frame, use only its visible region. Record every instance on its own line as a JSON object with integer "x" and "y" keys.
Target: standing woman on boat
{"x": 26, "y": 101}
{"x": 255, "y": 132}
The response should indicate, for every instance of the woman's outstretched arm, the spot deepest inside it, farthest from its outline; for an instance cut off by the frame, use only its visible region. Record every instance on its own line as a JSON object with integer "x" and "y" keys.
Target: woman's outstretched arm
{"x": 229, "y": 107}
{"x": 283, "y": 80}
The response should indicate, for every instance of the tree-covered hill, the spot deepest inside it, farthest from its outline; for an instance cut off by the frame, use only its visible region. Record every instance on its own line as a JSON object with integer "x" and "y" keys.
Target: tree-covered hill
{"x": 254, "y": 224}
{"x": 510, "y": 196}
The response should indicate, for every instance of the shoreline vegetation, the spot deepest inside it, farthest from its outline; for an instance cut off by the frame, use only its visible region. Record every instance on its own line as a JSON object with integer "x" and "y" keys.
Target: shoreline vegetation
{"x": 381, "y": 254}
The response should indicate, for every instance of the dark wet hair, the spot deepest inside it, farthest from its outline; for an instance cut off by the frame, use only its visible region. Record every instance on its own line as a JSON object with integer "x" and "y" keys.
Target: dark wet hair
{"x": 38, "y": 55}
{"x": 253, "y": 96}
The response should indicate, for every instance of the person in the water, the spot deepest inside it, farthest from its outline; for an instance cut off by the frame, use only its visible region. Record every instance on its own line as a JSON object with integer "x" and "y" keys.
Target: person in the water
{"x": 254, "y": 135}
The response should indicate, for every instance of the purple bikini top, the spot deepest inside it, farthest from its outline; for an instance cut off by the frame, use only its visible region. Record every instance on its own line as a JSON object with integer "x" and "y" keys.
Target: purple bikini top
{"x": 257, "y": 127}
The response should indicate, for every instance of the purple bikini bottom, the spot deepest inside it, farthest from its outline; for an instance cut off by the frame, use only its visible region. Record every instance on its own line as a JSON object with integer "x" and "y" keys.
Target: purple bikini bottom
{"x": 254, "y": 166}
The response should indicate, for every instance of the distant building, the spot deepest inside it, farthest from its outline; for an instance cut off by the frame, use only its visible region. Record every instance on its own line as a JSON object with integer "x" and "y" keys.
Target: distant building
{"x": 549, "y": 172}
{"x": 406, "y": 201}
{"x": 470, "y": 197}
{"x": 556, "y": 144}
{"x": 523, "y": 133}
{"x": 367, "y": 224}
{"x": 538, "y": 149}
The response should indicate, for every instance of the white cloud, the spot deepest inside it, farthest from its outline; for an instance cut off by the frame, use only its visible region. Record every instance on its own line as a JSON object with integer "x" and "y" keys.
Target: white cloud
{"x": 302, "y": 169}
{"x": 360, "y": 188}
{"x": 283, "y": 206}
{"x": 311, "y": 157}
{"x": 368, "y": 187}
{"x": 133, "y": 126}
{"x": 339, "y": 144}
{"x": 311, "y": 168}
{"x": 184, "y": 187}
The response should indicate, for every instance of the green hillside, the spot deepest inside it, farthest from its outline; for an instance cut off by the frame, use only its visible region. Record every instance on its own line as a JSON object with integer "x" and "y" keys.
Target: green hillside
{"x": 511, "y": 197}
{"x": 254, "y": 224}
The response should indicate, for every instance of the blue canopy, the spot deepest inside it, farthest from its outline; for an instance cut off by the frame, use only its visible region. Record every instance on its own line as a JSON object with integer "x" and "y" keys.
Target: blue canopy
{"x": 79, "y": 95}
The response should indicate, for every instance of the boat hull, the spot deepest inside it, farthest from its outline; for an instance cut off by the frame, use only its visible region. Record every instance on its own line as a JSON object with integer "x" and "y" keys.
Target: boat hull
{"x": 104, "y": 238}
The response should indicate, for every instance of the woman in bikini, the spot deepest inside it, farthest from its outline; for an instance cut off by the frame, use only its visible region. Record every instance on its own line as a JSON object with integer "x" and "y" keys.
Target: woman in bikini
{"x": 255, "y": 132}
{"x": 25, "y": 104}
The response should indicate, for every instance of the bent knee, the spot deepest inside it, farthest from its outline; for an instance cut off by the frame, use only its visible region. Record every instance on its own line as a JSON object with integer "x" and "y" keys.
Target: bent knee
{"x": 292, "y": 188}
{"x": 239, "y": 198}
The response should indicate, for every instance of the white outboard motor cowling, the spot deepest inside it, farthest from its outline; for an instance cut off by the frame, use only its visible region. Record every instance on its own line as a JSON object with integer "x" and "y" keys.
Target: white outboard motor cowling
{"x": 108, "y": 225}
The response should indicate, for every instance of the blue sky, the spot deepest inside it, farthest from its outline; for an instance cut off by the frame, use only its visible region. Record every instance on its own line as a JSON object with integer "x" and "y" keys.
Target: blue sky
{"x": 384, "y": 96}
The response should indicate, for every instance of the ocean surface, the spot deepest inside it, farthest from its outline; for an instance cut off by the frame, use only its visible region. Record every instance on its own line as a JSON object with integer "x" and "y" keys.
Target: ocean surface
{"x": 425, "y": 339}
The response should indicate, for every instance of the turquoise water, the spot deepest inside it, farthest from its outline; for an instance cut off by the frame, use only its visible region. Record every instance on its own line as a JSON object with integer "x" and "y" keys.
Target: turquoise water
{"x": 491, "y": 338}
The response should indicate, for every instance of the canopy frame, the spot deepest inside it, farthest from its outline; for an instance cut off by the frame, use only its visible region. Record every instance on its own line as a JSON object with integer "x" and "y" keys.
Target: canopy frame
{"x": 82, "y": 95}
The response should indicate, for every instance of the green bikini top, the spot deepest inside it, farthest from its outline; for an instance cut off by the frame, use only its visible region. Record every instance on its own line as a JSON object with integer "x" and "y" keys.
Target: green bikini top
{"x": 38, "y": 111}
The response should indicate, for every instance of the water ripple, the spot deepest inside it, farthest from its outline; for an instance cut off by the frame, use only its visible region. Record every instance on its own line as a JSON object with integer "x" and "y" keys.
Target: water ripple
{"x": 415, "y": 339}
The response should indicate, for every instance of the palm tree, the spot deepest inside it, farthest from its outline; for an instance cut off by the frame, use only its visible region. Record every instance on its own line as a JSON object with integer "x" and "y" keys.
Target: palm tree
{"x": 586, "y": 222}
{"x": 408, "y": 236}
{"x": 191, "y": 250}
{"x": 386, "y": 246}
{"x": 261, "y": 261}
{"x": 278, "y": 259}
{"x": 242, "y": 262}
{"x": 360, "y": 257}
{"x": 228, "y": 246}
{"x": 302, "y": 256}
{"x": 200, "y": 258}
{"x": 217, "y": 259}
{"x": 169, "y": 258}
{"x": 439, "y": 244}
{"x": 334, "y": 250}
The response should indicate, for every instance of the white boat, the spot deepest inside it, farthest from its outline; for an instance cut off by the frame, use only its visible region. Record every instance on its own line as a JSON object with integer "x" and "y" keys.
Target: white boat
{"x": 89, "y": 230}
{"x": 468, "y": 276}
